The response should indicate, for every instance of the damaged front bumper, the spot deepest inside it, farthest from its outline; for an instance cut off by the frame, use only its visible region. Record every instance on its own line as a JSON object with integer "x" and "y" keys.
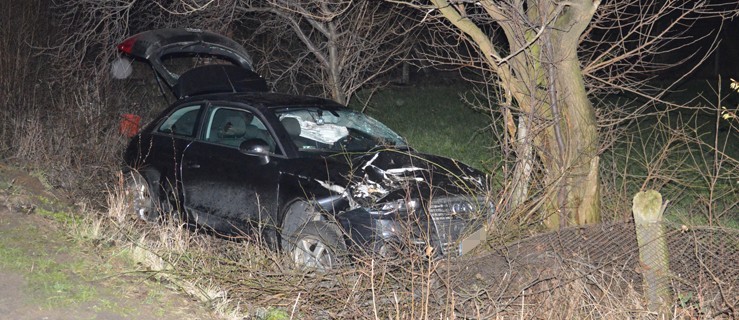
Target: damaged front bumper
{"x": 446, "y": 226}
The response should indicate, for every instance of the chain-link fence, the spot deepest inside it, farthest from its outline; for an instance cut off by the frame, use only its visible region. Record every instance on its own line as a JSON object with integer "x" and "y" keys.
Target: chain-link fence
{"x": 601, "y": 263}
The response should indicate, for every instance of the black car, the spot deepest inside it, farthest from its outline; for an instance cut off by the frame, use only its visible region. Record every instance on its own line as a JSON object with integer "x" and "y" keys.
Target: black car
{"x": 312, "y": 177}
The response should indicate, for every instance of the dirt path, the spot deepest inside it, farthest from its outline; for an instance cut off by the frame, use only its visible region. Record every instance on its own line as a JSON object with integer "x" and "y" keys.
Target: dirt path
{"x": 46, "y": 274}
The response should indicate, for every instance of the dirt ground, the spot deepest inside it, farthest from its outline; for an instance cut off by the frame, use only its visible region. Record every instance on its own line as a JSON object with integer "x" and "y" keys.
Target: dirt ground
{"x": 45, "y": 273}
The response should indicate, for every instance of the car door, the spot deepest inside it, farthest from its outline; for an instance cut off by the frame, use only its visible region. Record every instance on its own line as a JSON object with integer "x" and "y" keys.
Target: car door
{"x": 225, "y": 188}
{"x": 169, "y": 139}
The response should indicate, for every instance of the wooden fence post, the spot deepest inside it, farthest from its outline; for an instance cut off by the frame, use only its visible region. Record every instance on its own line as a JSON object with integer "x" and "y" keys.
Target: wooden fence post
{"x": 653, "y": 254}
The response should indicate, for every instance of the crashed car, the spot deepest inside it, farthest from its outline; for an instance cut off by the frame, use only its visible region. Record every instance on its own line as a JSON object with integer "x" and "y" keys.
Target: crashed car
{"x": 309, "y": 176}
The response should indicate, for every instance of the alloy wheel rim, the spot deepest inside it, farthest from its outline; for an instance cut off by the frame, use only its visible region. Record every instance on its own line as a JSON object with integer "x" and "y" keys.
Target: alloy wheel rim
{"x": 140, "y": 199}
{"x": 311, "y": 253}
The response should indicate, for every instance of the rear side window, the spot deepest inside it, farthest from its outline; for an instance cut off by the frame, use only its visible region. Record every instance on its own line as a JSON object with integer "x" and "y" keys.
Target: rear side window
{"x": 182, "y": 122}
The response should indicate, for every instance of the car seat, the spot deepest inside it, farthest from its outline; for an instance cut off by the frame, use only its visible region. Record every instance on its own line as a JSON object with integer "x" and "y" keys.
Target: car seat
{"x": 292, "y": 126}
{"x": 233, "y": 130}
{"x": 228, "y": 127}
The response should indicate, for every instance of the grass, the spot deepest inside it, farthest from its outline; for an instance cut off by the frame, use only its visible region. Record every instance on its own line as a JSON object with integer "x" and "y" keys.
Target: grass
{"x": 261, "y": 284}
{"x": 434, "y": 119}
{"x": 49, "y": 246}
{"x": 700, "y": 191}
{"x": 50, "y": 281}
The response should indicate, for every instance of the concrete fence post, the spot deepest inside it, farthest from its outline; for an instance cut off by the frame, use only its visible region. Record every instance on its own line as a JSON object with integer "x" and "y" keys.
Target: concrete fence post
{"x": 653, "y": 254}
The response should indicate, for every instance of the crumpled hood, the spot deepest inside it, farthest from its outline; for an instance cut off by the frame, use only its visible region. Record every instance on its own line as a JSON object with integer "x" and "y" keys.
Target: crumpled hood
{"x": 389, "y": 175}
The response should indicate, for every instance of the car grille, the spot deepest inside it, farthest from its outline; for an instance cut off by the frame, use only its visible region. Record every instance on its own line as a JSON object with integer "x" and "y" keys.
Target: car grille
{"x": 453, "y": 217}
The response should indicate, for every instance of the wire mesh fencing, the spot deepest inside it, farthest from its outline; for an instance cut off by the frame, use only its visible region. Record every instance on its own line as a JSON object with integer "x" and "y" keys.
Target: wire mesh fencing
{"x": 597, "y": 271}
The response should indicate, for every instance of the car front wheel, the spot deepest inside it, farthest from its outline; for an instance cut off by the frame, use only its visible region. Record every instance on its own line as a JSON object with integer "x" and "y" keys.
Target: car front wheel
{"x": 318, "y": 246}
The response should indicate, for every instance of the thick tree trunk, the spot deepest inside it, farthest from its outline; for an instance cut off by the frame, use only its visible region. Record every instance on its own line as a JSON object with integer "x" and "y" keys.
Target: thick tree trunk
{"x": 577, "y": 174}
{"x": 578, "y": 163}
{"x": 583, "y": 181}
{"x": 567, "y": 138}
{"x": 544, "y": 77}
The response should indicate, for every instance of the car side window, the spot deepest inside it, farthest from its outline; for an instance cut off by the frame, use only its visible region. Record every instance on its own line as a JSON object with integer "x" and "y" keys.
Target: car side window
{"x": 182, "y": 122}
{"x": 231, "y": 127}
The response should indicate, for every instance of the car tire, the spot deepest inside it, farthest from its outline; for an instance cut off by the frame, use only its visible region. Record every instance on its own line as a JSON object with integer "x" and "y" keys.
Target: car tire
{"x": 318, "y": 246}
{"x": 138, "y": 197}
{"x": 295, "y": 216}
{"x": 170, "y": 204}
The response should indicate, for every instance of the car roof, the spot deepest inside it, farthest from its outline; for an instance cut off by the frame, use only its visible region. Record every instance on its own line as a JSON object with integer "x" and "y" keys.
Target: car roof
{"x": 218, "y": 78}
{"x": 269, "y": 100}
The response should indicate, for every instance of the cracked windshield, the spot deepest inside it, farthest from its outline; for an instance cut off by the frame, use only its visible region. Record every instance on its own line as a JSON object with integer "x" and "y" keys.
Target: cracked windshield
{"x": 315, "y": 129}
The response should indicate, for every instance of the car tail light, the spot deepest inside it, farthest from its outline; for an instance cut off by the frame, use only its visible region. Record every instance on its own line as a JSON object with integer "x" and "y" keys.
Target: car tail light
{"x": 127, "y": 45}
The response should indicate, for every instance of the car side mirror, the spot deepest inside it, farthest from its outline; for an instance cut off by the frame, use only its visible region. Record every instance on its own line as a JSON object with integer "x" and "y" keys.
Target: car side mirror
{"x": 256, "y": 147}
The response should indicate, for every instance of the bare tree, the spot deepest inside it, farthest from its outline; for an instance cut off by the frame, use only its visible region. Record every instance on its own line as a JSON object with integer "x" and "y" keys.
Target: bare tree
{"x": 90, "y": 29}
{"x": 338, "y": 46}
{"x": 343, "y": 44}
{"x": 548, "y": 58}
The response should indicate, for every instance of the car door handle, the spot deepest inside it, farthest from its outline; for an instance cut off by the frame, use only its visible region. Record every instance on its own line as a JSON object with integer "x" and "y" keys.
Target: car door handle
{"x": 192, "y": 165}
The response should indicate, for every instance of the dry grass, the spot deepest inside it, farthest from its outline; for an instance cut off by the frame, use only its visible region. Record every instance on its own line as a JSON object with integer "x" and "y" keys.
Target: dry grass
{"x": 245, "y": 279}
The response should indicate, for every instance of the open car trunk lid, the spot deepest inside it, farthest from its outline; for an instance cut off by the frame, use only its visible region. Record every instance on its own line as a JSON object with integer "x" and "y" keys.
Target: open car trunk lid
{"x": 155, "y": 45}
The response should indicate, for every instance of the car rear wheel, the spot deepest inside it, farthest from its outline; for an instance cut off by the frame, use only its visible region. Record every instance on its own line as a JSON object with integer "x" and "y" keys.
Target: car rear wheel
{"x": 171, "y": 205}
{"x": 138, "y": 197}
{"x": 318, "y": 246}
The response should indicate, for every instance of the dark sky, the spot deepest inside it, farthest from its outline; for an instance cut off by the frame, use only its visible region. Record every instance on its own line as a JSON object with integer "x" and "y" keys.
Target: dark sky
{"x": 724, "y": 60}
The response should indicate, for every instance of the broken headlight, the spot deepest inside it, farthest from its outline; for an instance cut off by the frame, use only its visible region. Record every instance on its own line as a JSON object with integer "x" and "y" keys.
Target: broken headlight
{"x": 391, "y": 220}
{"x": 398, "y": 208}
